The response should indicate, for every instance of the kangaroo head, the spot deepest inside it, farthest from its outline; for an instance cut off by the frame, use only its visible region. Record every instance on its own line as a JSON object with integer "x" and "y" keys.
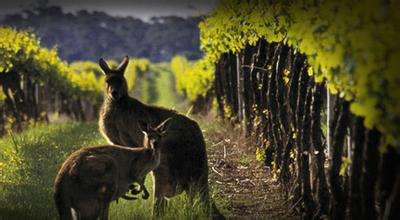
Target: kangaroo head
{"x": 146, "y": 160}
{"x": 116, "y": 85}
{"x": 149, "y": 159}
{"x": 153, "y": 135}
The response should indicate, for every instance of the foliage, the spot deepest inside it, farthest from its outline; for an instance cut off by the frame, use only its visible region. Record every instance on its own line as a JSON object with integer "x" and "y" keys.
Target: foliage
{"x": 350, "y": 44}
{"x": 89, "y": 35}
{"x": 21, "y": 52}
{"x": 165, "y": 84}
{"x": 194, "y": 79}
{"x": 135, "y": 70}
{"x": 260, "y": 154}
{"x": 23, "y": 58}
{"x": 87, "y": 66}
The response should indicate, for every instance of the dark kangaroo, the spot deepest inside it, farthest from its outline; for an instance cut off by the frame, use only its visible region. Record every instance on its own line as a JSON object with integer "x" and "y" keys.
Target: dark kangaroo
{"x": 92, "y": 177}
{"x": 183, "y": 165}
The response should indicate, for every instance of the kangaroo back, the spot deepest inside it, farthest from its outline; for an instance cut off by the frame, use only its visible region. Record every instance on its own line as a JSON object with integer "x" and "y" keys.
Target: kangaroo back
{"x": 62, "y": 204}
{"x": 60, "y": 195}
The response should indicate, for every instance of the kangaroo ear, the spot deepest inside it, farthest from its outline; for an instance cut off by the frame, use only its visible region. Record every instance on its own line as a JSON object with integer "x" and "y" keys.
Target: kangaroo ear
{"x": 162, "y": 128}
{"x": 104, "y": 66}
{"x": 122, "y": 66}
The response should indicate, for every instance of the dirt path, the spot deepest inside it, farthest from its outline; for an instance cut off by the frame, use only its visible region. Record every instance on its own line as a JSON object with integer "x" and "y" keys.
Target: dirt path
{"x": 244, "y": 183}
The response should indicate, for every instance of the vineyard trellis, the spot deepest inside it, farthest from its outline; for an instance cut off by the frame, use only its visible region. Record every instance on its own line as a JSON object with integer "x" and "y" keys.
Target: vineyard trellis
{"x": 283, "y": 105}
{"x": 194, "y": 80}
{"x": 278, "y": 69}
{"x": 34, "y": 82}
{"x": 281, "y": 68}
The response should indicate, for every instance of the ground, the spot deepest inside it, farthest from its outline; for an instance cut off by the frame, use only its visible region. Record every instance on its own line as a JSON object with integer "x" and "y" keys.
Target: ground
{"x": 243, "y": 183}
{"x": 241, "y": 186}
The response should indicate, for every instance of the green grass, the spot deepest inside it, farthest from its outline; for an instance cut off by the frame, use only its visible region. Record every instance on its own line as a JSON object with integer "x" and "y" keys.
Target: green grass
{"x": 165, "y": 88}
{"x": 29, "y": 162}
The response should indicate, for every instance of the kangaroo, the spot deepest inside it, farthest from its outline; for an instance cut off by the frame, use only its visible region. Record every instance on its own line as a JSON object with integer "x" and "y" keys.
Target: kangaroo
{"x": 92, "y": 177}
{"x": 183, "y": 163}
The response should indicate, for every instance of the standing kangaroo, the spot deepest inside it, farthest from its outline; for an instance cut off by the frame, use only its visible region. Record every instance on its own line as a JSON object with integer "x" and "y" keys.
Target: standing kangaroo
{"x": 92, "y": 177}
{"x": 183, "y": 162}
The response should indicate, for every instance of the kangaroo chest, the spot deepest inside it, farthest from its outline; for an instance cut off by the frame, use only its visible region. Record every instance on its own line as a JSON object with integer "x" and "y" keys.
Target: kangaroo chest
{"x": 109, "y": 121}
{"x": 123, "y": 180}
{"x": 121, "y": 128}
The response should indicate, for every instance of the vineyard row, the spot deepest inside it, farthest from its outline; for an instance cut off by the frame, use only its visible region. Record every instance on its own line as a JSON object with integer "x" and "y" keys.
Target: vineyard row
{"x": 316, "y": 83}
{"x": 35, "y": 82}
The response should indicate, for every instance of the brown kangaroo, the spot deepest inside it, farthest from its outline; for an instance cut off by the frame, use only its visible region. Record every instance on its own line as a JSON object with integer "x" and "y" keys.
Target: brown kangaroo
{"x": 183, "y": 165}
{"x": 92, "y": 177}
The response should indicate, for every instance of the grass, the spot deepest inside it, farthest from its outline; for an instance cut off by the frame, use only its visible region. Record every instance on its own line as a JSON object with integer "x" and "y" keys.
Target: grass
{"x": 166, "y": 87}
{"x": 29, "y": 162}
{"x": 245, "y": 160}
{"x": 159, "y": 88}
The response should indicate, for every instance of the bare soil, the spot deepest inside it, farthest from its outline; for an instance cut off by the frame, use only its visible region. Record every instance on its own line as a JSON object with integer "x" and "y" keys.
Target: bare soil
{"x": 239, "y": 180}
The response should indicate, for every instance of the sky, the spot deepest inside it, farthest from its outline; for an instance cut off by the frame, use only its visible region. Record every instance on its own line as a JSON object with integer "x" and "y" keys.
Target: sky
{"x": 144, "y": 9}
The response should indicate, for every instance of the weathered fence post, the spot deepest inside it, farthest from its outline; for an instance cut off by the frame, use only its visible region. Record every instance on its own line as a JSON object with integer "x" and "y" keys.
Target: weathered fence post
{"x": 239, "y": 88}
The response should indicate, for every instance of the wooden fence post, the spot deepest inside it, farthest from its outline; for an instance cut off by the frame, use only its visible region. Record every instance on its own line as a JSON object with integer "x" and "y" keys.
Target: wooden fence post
{"x": 329, "y": 111}
{"x": 239, "y": 88}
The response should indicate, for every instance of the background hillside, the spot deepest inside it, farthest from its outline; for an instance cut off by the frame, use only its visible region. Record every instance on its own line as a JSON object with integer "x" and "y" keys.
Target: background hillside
{"x": 89, "y": 35}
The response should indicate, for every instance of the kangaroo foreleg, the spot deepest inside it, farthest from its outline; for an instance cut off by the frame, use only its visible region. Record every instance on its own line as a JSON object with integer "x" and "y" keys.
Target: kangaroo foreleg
{"x": 142, "y": 187}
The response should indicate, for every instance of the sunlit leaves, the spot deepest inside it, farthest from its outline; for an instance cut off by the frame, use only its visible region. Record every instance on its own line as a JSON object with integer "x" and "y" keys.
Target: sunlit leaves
{"x": 352, "y": 45}
{"x": 136, "y": 69}
{"x": 194, "y": 79}
{"x": 21, "y": 52}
